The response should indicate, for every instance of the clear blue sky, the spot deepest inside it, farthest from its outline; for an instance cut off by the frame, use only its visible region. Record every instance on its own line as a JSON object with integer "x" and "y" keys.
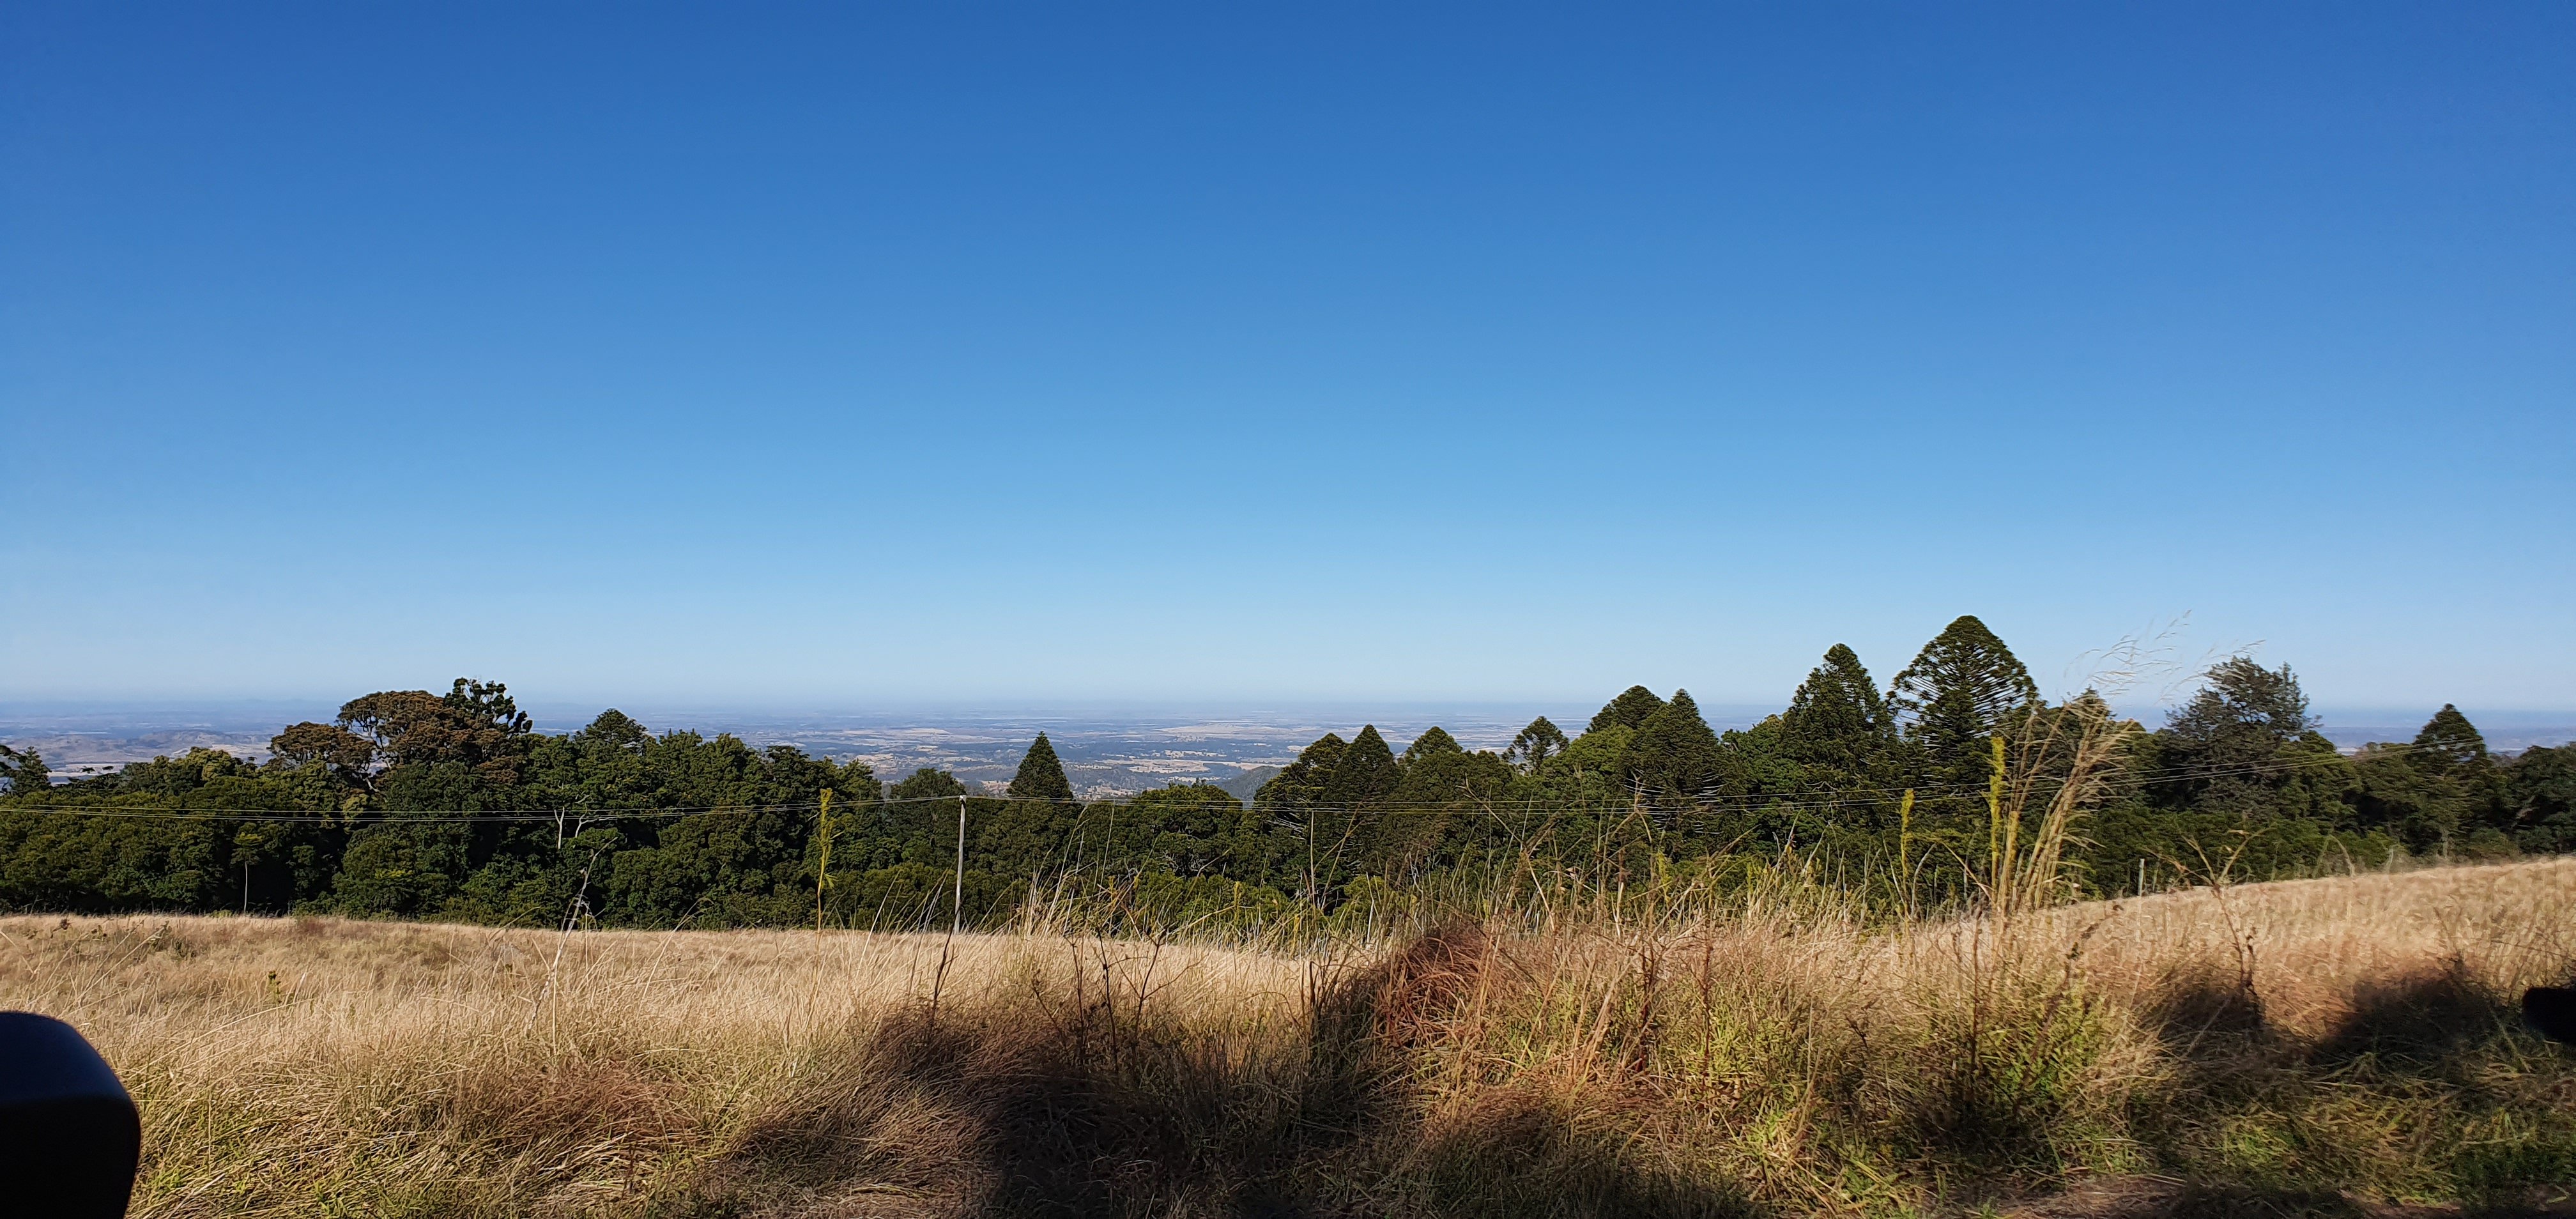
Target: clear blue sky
{"x": 839, "y": 356}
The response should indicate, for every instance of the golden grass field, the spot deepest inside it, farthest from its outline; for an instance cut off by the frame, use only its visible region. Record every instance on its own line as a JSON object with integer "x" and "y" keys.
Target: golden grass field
{"x": 2327, "y": 1046}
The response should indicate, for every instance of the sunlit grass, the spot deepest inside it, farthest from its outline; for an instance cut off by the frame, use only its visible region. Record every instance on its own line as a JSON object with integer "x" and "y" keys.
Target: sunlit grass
{"x": 1777, "y": 1051}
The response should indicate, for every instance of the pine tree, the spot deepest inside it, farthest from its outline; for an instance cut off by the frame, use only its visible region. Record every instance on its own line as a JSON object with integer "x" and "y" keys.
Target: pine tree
{"x": 1344, "y": 824}
{"x": 921, "y": 816}
{"x": 1534, "y": 746}
{"x": 1308, "y": 838}
{"x": 1963, "y": 687}
{"x": 2223, "y": 749}
{"x": 1629, "y": 710}
{"x": 2243, "y": 697}
{"x": 1304, "y": 779}
{"x": 1674, "y": 755}
{"x": 1837, "y": 720}
{"x": 1365, "y": 771}
{"x": 2450, "y": 745}
{"x": 1431, "y": 818}
{"x": 1433, "y": 742}
{"x": 25, "y": 770}
{"x": 1041, "y": 775}
{"x": 2442, "y": 793}
{"x": 1035, "y": 830}
{"x": 2541, "y": 797}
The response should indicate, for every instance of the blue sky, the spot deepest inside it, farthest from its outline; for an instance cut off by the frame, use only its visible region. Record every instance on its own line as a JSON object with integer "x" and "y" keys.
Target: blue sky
{"x": 842, "y": 357}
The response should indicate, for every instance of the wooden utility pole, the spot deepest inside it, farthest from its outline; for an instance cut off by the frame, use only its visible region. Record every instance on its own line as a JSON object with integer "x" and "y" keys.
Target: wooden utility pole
{"x": 957, "y": 903}
{"x": 823, "y": 866}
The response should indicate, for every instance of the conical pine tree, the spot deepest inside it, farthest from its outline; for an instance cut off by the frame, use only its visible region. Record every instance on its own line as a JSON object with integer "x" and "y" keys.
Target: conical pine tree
{"x": 1963, "y": 687}
{"x": 1305, "y": 778}
{"x": 1365, "y": 772}
{"x": 1629, "y": 710}
{"x": 1041, "y": 774}
{"x": 1674, "y": 756}
{"x": 1343, "y": 822}
{"x": 1837, "y": 719}
{"x": 2449, "y": 744}
{"x": 1433, "y": 742}
{"x": 25, "y": 771}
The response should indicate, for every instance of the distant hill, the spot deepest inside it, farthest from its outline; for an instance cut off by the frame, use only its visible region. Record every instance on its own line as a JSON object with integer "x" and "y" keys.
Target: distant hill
{"x": 1243, "y": 785}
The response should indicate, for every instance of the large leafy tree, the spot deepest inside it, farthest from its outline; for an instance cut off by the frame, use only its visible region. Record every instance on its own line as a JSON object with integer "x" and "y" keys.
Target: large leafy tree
{"x": 465, "y": 751}
{"x": 2238, "y": 746}
{"x": 475, "y": 725}
{"x": 2540, "y": 799}
{"x": 1187, "y": 829}
{"x": 343, "y": 758}
{"x": 921, "y": 813}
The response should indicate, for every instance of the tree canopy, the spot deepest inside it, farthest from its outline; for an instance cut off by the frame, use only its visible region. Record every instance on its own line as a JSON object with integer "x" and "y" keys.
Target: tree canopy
{"x": 1630, "y": 710}
{"x": 452, "y": 805}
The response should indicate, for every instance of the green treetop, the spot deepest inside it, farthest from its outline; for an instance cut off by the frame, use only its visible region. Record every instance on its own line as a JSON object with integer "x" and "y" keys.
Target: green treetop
{"x": 1837, "y": 719}
{"x": 1041, "y": 775}
{"x": 1305, "y": 778}
{"x": 1674, "y": 754}
{"x": 1629, "y": 710}
{"x": 1432, "y": 743}
{"x": 1962, "y": 688}
{"x": 1534, "y": 746}
{"x": 2449, "y": 744}
{"x": 2223, "y": 750}
{"x": 1365, "y": 772}
{"x": 25, "y": 770}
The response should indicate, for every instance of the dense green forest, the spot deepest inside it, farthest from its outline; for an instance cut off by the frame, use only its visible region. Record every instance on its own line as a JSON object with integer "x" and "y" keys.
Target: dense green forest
{"x": 428, "y": 805}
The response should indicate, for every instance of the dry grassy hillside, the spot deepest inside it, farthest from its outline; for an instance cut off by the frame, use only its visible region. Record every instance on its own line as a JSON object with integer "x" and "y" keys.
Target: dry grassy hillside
{"x": 2333, "y": 1046}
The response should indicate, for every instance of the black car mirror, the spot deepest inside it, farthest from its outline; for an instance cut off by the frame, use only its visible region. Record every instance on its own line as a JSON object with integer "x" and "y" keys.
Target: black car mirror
{"x": 69, "y": 1135}
{"x": 2551, "y": 1012}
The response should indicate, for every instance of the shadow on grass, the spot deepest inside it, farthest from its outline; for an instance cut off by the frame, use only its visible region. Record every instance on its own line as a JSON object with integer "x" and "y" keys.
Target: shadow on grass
{"x": 2144, "y": 1198}
{"x": 2416, "y": 1021}
{"x": 1052, "y": 1106}
{"x": 2212, "y": 1005}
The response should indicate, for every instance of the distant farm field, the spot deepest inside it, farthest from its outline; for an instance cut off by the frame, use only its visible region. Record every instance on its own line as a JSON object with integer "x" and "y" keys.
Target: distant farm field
{"x": 2325, "y": 1046}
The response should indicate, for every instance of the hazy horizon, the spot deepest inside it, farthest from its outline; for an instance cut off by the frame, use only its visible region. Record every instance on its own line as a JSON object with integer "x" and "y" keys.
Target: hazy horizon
{"x": 1107, "y": 748}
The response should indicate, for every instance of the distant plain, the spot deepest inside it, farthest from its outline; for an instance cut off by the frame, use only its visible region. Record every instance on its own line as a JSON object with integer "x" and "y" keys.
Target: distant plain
{"x": 1106, "y": 750}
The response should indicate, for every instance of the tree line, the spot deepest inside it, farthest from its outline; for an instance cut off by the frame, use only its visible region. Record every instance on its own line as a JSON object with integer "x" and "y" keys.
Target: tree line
{"x": 416, "y": 804}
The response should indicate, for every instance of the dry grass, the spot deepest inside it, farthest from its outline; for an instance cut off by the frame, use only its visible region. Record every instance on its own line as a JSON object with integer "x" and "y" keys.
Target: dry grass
{"x": 2301, "y": 1046}
{"x": 304, "y": 1065}
{"x": 2318, "y": 950}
